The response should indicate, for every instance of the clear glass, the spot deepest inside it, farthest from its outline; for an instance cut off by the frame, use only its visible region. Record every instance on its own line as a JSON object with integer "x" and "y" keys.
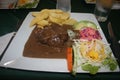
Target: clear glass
{"x": 64, "y": 5}
{"x": 102, "y": 9}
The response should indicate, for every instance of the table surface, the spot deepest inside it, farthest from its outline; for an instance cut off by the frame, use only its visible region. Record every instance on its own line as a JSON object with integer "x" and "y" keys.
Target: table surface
{"x": 10, "y": 20}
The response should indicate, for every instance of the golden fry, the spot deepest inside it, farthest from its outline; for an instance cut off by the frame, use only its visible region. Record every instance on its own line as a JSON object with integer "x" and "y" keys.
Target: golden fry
{"x": 69, "y": 21}
{"x": 46, "y": 16}
{"x": 38, "y": 18}
{"x": 35, "y": 14}
{"x": 43, "y": 22}
{"x": 55, "y": 20}
{"x": 61, "y": 15}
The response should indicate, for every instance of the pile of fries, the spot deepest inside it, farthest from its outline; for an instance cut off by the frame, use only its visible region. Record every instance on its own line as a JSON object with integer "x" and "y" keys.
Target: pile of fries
{"x": 48, "y": 16}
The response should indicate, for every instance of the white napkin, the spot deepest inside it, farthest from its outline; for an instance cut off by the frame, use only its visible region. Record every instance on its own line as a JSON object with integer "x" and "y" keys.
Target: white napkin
{"x": 4, "y": 40}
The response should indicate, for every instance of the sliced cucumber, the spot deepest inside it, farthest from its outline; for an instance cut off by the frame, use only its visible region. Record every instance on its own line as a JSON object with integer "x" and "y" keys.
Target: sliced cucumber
{"x": 83, "y": 24}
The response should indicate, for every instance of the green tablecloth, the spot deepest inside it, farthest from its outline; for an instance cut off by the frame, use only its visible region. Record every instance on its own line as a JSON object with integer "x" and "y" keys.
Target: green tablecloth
{"x": 11, "y": 19}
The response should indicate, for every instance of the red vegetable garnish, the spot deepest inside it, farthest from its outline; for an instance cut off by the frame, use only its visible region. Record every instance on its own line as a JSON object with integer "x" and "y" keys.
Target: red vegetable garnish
{"x": 89, "y": 34}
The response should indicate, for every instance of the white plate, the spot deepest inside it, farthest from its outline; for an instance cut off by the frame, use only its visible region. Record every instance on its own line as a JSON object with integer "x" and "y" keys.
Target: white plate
{"x": 13, "y": 56}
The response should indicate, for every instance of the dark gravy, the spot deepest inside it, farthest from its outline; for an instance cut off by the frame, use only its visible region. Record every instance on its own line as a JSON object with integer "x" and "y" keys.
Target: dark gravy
{"x": 35, "y": 49}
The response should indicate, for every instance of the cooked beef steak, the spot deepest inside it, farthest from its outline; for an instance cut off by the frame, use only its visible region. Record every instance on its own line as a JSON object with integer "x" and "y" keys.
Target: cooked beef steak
{"x": 50, "y": 42}
{"x": 53, "y": 35}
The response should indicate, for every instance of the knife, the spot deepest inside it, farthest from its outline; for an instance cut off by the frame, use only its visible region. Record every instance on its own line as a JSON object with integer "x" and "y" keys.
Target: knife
{"x": 114, "y": 44}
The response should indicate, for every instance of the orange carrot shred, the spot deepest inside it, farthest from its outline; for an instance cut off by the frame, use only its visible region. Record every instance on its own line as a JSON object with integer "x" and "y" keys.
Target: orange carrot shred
{"x": 69, "y": 58}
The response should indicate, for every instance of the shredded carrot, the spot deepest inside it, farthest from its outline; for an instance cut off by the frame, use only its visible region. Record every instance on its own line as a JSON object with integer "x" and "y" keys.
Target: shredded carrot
{"x": 69, "y": 58}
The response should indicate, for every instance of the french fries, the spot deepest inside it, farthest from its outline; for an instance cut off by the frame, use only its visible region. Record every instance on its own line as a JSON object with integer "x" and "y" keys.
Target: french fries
{"x": 48, "y": 16}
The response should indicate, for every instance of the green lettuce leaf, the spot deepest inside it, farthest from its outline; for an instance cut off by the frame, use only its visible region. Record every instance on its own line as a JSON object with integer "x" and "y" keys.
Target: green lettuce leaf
{"x": 92, "y": 69}
{"x": 111, "y": 63}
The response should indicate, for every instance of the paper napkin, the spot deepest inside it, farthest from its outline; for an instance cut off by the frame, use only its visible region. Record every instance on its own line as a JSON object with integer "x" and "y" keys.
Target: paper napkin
{"x": 4, "y": 40}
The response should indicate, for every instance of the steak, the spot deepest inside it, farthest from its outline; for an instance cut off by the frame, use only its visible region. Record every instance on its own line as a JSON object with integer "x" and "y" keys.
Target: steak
{"x": 53, "y": 35}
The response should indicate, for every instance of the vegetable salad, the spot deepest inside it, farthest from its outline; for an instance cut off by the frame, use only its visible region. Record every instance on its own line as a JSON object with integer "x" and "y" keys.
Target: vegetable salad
{"x": 90, "y": 52}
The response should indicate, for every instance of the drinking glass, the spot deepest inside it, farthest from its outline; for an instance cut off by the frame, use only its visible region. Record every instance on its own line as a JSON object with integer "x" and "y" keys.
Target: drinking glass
{"x": 64, "y": 5}
{"x": 102, "y": 9}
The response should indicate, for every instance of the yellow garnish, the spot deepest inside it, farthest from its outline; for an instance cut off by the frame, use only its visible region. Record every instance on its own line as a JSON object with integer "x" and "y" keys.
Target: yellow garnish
{"x": 93, "y": 55}
{"x": 93, "y": 50}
